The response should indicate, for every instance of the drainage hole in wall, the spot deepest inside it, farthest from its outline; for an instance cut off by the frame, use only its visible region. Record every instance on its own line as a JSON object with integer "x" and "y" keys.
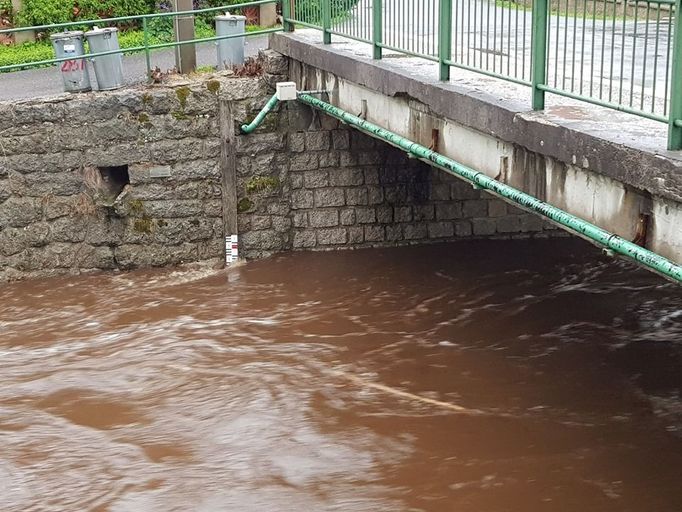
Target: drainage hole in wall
{"x": 114, "y": 179}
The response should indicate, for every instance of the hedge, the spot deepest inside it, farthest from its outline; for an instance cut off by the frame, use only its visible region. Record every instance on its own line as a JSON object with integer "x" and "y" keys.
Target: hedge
{"x": 47, "y": 12}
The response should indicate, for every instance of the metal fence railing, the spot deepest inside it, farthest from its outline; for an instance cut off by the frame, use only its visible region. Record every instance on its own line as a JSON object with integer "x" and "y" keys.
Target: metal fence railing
{"x": 309, "y": 13}
{"x": 144, "y": 20}
{"x": 621, "y": 54}
{"x": 358, "y": 26}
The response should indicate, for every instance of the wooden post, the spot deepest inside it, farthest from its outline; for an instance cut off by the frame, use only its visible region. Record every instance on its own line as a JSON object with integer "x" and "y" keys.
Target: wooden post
{"x": 186, "y": 54}
{"x": 22, "y": 37}
{"x": 228, "y": 167}
{"x": 268, "y": 15}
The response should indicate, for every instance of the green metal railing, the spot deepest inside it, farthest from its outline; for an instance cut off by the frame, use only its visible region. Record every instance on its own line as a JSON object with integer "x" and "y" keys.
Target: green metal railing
{"x": 146, "y": 47}
{"x": 620, "y": 54}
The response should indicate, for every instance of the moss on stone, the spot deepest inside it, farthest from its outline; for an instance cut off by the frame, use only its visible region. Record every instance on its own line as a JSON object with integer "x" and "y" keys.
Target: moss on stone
{"x": 143, "y": 225}
{"x": 213, "y": 86}
{"x": 179, "y": 115}
{"x": 146, "y": 98}
{"x": 136, "y": 207}
{"x": 244, "y": 205}
{"x": 261, "y": 184}
{"x": 270, "y": 123}
{"x": 182, "y": 93}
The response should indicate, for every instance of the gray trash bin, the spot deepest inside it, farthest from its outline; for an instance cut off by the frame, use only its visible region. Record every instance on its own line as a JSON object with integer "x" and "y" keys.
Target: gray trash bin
{"x": 74, "y": 72}
{"x": 230, "y": 51}
{"x": 108, "y": 68}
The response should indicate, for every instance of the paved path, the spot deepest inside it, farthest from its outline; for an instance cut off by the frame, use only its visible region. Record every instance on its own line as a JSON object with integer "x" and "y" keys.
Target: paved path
{"x": 36, "y": 83}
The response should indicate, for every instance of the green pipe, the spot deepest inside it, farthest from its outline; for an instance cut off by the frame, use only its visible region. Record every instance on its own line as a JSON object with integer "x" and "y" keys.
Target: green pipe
{"x": 610, "y": 241}
{"x": 269, "y": 106}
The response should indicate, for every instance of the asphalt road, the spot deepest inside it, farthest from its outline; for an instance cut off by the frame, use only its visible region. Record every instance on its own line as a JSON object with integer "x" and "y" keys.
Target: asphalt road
{"x": 43, "y": 82}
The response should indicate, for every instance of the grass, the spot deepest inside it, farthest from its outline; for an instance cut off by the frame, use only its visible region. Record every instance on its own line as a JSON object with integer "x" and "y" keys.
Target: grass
{"x": 27, "y": 53}
{"x": 511, "y": 4}
{"x": 582, "y": 8}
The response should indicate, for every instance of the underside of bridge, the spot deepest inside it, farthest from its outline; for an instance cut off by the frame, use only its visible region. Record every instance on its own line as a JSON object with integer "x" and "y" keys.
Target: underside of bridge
{"x": 603, "y": 166}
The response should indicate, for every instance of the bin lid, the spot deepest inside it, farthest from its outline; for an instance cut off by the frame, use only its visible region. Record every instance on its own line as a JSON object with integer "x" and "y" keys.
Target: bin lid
{"x": 230, "y": 17}
{"x": 96, "y": 31}
{"x": 69, "y": 34}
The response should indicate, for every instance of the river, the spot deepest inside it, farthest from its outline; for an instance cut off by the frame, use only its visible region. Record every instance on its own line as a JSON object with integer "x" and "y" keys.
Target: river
{"x": 478, "y": 377}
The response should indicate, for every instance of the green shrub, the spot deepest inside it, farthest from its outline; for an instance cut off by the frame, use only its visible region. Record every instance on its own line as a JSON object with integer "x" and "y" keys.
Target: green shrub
{"x": 46, "y": 12}
{"x": 162, "y": 28}
{"x": 311, "y": 10}
{"x": 93, "y": 9}
{"x": 6, "y": 8}
{"x": 25, "y": 53}
{"x": 132, "y": 38}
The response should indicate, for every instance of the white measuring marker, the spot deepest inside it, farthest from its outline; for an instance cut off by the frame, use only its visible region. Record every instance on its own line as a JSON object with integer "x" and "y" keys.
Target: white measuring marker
{"x": 231, "y": 249}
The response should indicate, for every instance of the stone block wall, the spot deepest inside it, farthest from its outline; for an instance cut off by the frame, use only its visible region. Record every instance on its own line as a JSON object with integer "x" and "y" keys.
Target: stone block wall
{"x": 59, "y": 213}
{"x": 338, "y": 188}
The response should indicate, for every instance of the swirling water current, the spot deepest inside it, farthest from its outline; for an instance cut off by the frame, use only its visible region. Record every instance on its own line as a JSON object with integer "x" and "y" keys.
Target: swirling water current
{"x": 480, "y": 377}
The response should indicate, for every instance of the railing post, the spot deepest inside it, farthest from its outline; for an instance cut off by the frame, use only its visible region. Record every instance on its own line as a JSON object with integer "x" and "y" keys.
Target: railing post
{"x": 267, "y": 15}
{"x": 445, "y": 38}
{"x": 27, "y": 36}
{"x": 377, "y": 27}
{"x": 147, "y": 57}
{"x": 287, "y": 13}
{"x": 675, "y": 114}
{"x": 325, "y": 6}
{"x": 538, "y": 62}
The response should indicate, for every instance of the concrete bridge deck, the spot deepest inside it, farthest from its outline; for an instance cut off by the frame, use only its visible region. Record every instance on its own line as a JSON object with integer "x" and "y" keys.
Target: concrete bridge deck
{"x": 608, "y": 167}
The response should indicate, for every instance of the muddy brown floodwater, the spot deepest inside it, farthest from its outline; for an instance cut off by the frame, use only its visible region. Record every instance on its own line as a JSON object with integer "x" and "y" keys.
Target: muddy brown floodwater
{"x": 478, "y": 377}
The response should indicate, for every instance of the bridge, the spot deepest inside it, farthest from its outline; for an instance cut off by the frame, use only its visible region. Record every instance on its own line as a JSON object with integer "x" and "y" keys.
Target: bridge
{"x": 581, "y": 122}
{"x": 569, "y": 114}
